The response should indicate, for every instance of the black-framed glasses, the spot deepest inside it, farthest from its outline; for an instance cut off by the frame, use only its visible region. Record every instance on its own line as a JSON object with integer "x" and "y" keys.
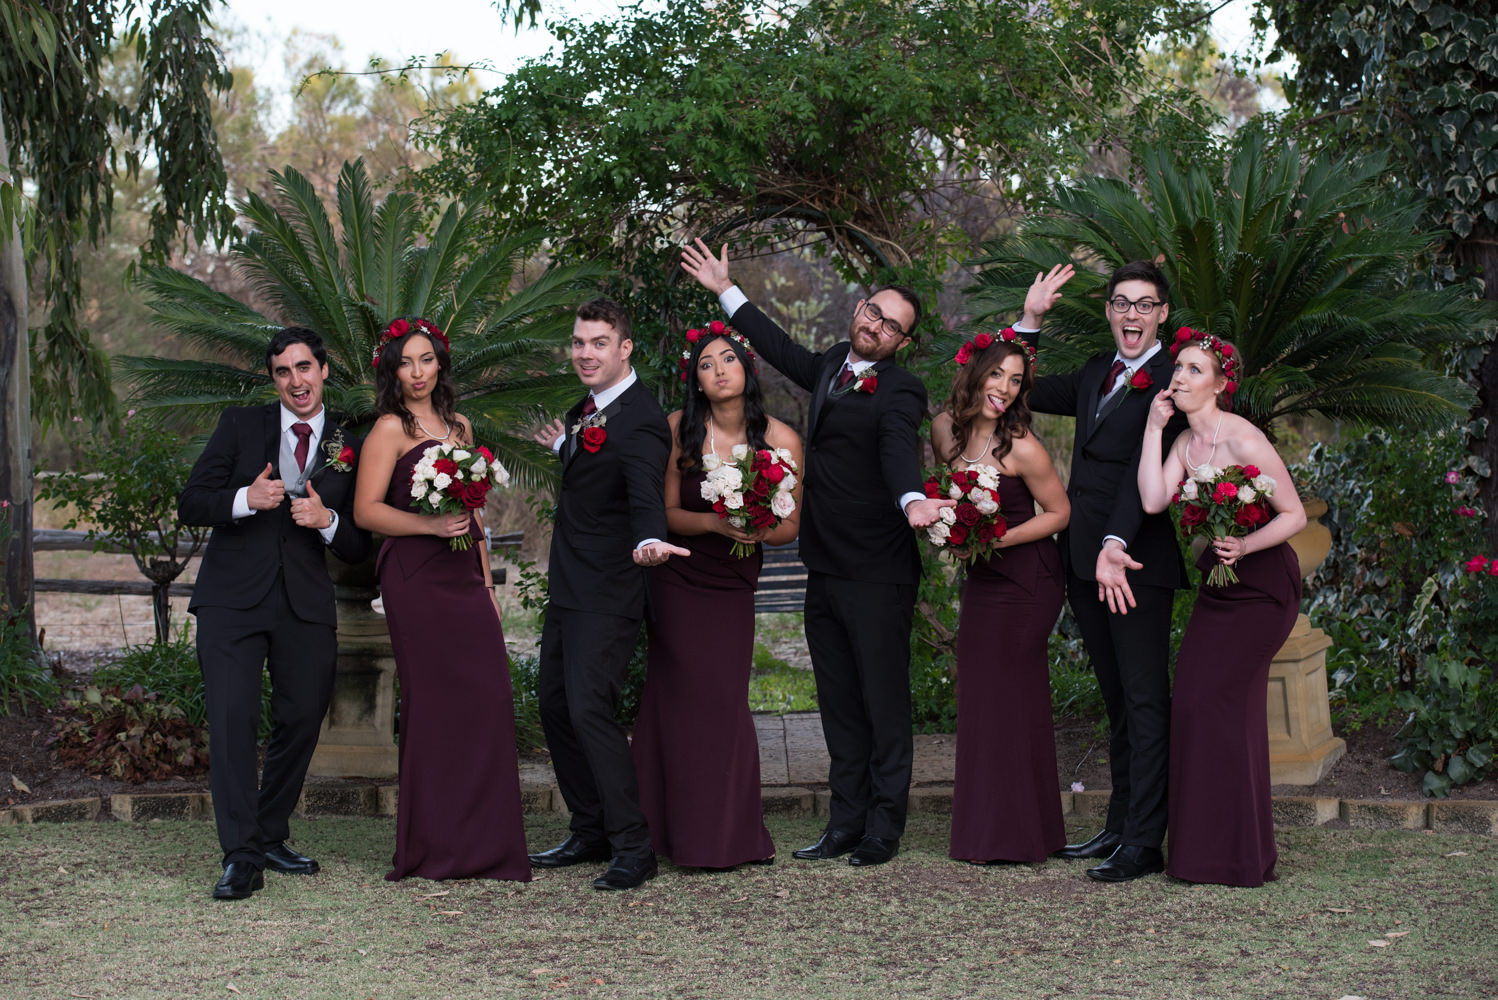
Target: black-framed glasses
{"x": 1143, "y": 307}
{"x": 886, "y": 325}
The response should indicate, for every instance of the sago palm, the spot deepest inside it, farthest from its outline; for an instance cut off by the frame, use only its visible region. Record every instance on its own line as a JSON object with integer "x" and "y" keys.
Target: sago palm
{"x": 348, "y": 283}
{"x": 1306, "y": 264}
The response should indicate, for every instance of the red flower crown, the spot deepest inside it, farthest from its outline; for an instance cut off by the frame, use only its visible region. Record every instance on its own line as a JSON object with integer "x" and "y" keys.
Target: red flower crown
{"x": 717, "y": 328}
{"x": 399, "y": 328}
{"x": 1220, "y": 349}
{"x": 983, "y": 340}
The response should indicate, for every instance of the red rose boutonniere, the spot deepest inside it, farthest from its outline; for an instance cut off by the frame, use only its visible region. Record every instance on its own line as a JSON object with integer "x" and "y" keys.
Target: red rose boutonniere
{"x": 1140, "y": 381}
{"x": 866, "y": 383}
{"x": 593, "y": 438}
{"x": 339, "y": 455}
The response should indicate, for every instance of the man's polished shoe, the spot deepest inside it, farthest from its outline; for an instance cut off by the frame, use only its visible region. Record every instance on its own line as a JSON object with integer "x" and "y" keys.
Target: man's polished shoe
{"x": 834, "y": 844}
{"x": 572, "y": 851}
{"x": 627, "y": 873}
{"x": 283, "y": 859}
{"x": 1101, "y": 846}
{"x": 1128, "y": 863}
{"x": 239, "y": 881}
{"x": 873, "y": 851}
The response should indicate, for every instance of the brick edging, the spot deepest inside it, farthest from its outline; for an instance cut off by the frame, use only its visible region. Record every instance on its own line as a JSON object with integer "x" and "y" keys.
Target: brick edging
{"x": 1444, "y": 816}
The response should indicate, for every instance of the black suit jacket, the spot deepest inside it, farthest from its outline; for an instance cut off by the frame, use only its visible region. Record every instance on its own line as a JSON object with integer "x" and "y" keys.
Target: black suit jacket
{"x": 1104, "y": 481}
{"x": 610, "y": 500}
{"x": 862, "y": 455}
{"x": 242, "y": 557}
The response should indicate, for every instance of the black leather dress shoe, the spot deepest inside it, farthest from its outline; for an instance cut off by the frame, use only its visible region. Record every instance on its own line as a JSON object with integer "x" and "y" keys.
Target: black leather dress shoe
{"x": 627, "y": 873}
{"x": 283, "y": 859}
{"x": 1101, "y": 846}
{"x": 834, "y": 844}
{"x": 572, "y": 851}
{"x": 1128, "y": 863}
{"x": 239, "y": 881}
{"x": 873, "y": 851}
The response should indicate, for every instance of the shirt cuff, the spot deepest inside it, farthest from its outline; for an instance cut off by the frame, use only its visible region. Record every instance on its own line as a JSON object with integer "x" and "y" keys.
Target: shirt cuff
{"x": 332, "y": 528}
{"x": 556, "y": 445}
{"x": 907, "y": 498}
{"x": 1116, "y": 539}
{"x": 242, "y": 506}
{"x": 1017, "y": 328}
{"x": 644, "y": 542}
{"x": 732, "y": 298}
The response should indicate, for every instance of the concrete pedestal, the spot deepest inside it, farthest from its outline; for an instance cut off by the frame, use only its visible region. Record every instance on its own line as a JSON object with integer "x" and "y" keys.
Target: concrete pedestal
{"x": 1301, "y": 745}
{"x": 358, "y": 735}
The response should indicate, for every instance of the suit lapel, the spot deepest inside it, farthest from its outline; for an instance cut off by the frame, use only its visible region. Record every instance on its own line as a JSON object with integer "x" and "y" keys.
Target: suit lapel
{"x": 272, "y": 431}
{"x": 569, "y": 439}
{"x": 331, "y": 432}
{"x": 835, "y": 359}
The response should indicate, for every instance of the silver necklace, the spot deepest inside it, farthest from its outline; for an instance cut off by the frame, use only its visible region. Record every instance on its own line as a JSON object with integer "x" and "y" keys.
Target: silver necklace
{"x": 446, "y": 429}
{"x": 1210, "y": 455}
{"x": 984, "y": 451}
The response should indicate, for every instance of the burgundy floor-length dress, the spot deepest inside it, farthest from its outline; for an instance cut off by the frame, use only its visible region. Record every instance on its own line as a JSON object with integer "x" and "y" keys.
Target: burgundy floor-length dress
{"x": 1221, "y": 824}
{"x": 458, "y": 815}
{"x": 1006, "y": 805}
{"x": 695, "y": 751}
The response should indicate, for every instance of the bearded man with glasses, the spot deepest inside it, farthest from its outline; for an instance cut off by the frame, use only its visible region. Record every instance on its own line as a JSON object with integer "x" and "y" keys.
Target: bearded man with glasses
{"x": 862, "y": 495}
{"x": 1122, "y": 565}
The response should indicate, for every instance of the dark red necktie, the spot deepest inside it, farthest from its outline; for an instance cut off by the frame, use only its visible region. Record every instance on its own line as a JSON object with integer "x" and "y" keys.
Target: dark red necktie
{"x": 589, "y": 406}
{"x": 303, "y": 438}
{"x": 1112, "y": 379}
{"x": 845, "y": 376}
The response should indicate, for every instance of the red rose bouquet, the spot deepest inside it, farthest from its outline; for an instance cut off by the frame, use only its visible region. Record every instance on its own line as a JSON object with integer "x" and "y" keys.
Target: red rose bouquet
{"x": 450, "y": 479}
{"x": 751, "y": 492}
{"x": 971, "y": 530}
{"x": 1224, "y": 503}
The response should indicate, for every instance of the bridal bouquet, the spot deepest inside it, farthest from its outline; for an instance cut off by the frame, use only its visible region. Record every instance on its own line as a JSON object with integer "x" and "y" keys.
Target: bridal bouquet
{"x": 450, "y": 479}
{"x": 971, "y": 530}
{"x": 1224, "y": 503}
{"x": 751, "y": 492}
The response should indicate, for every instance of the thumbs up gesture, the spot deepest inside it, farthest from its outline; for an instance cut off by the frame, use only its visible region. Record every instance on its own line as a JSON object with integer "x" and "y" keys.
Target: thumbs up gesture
{"x": 309, "y": 511}
{"x": 265, "y": 493}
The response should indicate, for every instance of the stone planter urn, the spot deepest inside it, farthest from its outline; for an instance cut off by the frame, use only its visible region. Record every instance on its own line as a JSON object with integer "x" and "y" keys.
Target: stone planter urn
{"x": 1301, "y": 745}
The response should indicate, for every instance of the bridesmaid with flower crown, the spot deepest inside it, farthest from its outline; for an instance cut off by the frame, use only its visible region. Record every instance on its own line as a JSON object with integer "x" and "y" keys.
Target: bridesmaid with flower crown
{"x": 694, "y": 745}
{"x": 458, "y": 814}
{"x": 1005, "y": 804}
{"x": 1221, "y": 825}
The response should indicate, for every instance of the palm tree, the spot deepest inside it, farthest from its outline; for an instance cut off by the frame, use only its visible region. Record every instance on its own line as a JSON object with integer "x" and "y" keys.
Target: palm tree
{"x": 1305, "y": 264}
{"x": 348, "y": 283}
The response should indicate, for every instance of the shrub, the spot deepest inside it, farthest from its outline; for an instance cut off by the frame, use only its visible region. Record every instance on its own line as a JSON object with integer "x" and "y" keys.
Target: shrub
{"x": 168, "y": 668}
{"x": 25, "y": 678}
{"x": 132, "y": 735}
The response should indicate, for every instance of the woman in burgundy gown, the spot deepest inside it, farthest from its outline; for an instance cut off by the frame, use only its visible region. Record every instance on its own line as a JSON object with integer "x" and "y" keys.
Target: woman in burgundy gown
{"x": 458, "y": 815}
{"x": 1005, "y": 805}
{"x": 694, "y": 746}
{"x": 1221, "y": 826}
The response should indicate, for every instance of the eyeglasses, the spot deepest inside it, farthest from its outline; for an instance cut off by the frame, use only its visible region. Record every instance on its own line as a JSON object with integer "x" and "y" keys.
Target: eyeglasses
{"x": 886, "y": 325}
{"x": 1143, "y": 307}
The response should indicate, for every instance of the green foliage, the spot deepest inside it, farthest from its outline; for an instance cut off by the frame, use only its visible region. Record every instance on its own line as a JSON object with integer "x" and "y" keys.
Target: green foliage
{"x": 1453, "y": 729}
{"x": 524, "y": 674}
{"x": 64, "y": 122}
{"x": 776, "y": 686}
{"x": 933, "y": 645}
{"x": 24, "y": 676}
{"x": 1302, "y": 261}
{"x": 132, "y": 735}
{"x": 126, "y": 491}
{"x": 348, "y": 282}
{"x": 168, "y": 668}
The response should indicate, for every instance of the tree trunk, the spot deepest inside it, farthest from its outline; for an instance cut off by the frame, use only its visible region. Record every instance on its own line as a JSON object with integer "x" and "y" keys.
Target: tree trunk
{"x": 15, "y": 416}
{"x": 1480, "y": 254}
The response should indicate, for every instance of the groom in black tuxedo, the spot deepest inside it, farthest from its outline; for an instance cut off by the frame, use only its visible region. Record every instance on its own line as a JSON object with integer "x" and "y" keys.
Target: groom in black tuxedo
{"x": 276, "y": 483}
{"x": 862, "y": 496}
{"x": 610, "y": 519}
{"x": 1122, "y": 565}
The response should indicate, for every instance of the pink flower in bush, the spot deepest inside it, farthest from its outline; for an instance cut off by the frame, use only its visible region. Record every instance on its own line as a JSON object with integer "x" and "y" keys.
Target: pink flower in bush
{"x": 1477, "y": 564}
{"x": 1466, "y": 512}
{"x": 1452, "y": 477}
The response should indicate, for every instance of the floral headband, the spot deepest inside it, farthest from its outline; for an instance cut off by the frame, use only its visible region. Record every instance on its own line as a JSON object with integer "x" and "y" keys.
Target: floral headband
{"x": 983, "y": 340}
{"x": 399, "y": 328}
{"x": 717, "y": 328}
{"x": 1220, "y": 349}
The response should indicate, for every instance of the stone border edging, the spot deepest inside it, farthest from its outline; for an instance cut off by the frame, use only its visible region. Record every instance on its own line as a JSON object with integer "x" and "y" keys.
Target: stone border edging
{"x": 1443, "y": 816}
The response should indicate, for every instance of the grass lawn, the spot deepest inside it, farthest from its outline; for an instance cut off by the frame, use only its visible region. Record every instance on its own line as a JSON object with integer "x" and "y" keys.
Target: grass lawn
{"x": 122, "y": 910}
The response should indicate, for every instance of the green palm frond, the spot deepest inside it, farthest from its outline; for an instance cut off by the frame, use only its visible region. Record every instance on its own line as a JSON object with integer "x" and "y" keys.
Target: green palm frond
{"x": 1304, "y": 263}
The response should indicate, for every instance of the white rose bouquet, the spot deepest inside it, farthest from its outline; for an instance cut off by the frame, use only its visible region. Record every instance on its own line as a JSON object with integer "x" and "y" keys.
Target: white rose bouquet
{"x": 751, "y": 492}
{"x": 450, "y": 479}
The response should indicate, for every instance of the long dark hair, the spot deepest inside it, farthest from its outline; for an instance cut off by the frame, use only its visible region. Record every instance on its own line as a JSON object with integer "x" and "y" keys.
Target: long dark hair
{"x": 966, "y": 400}
{"x": 692, "y": 431}
{"x": 388, "y": 397}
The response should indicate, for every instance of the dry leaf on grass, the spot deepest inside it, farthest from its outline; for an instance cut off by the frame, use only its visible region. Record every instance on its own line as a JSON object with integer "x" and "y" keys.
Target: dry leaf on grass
{"x": 19, "y": 785}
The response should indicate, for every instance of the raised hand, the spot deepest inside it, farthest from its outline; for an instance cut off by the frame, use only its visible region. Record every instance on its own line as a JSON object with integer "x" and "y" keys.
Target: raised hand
{"x": 1161, "y": 410}
{"x": 923, "y": 513}
{"x": 656, "y": 553}
{"x": 1112, "y": 580}
{"x": 711, "y": 272}
{"x": 265, "y": 493}
{"x": 1044, "y": 293}
{"x": 309, "y": 511}
{"x": 546, "y": 434}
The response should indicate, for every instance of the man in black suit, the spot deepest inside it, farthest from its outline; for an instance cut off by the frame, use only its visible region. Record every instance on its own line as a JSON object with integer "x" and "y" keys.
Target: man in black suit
{"x": 263, "y": 598}
{"x": 1122, "y": 565}
{"x": 862, "y": 494}
{"x": 610, "y": 519}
